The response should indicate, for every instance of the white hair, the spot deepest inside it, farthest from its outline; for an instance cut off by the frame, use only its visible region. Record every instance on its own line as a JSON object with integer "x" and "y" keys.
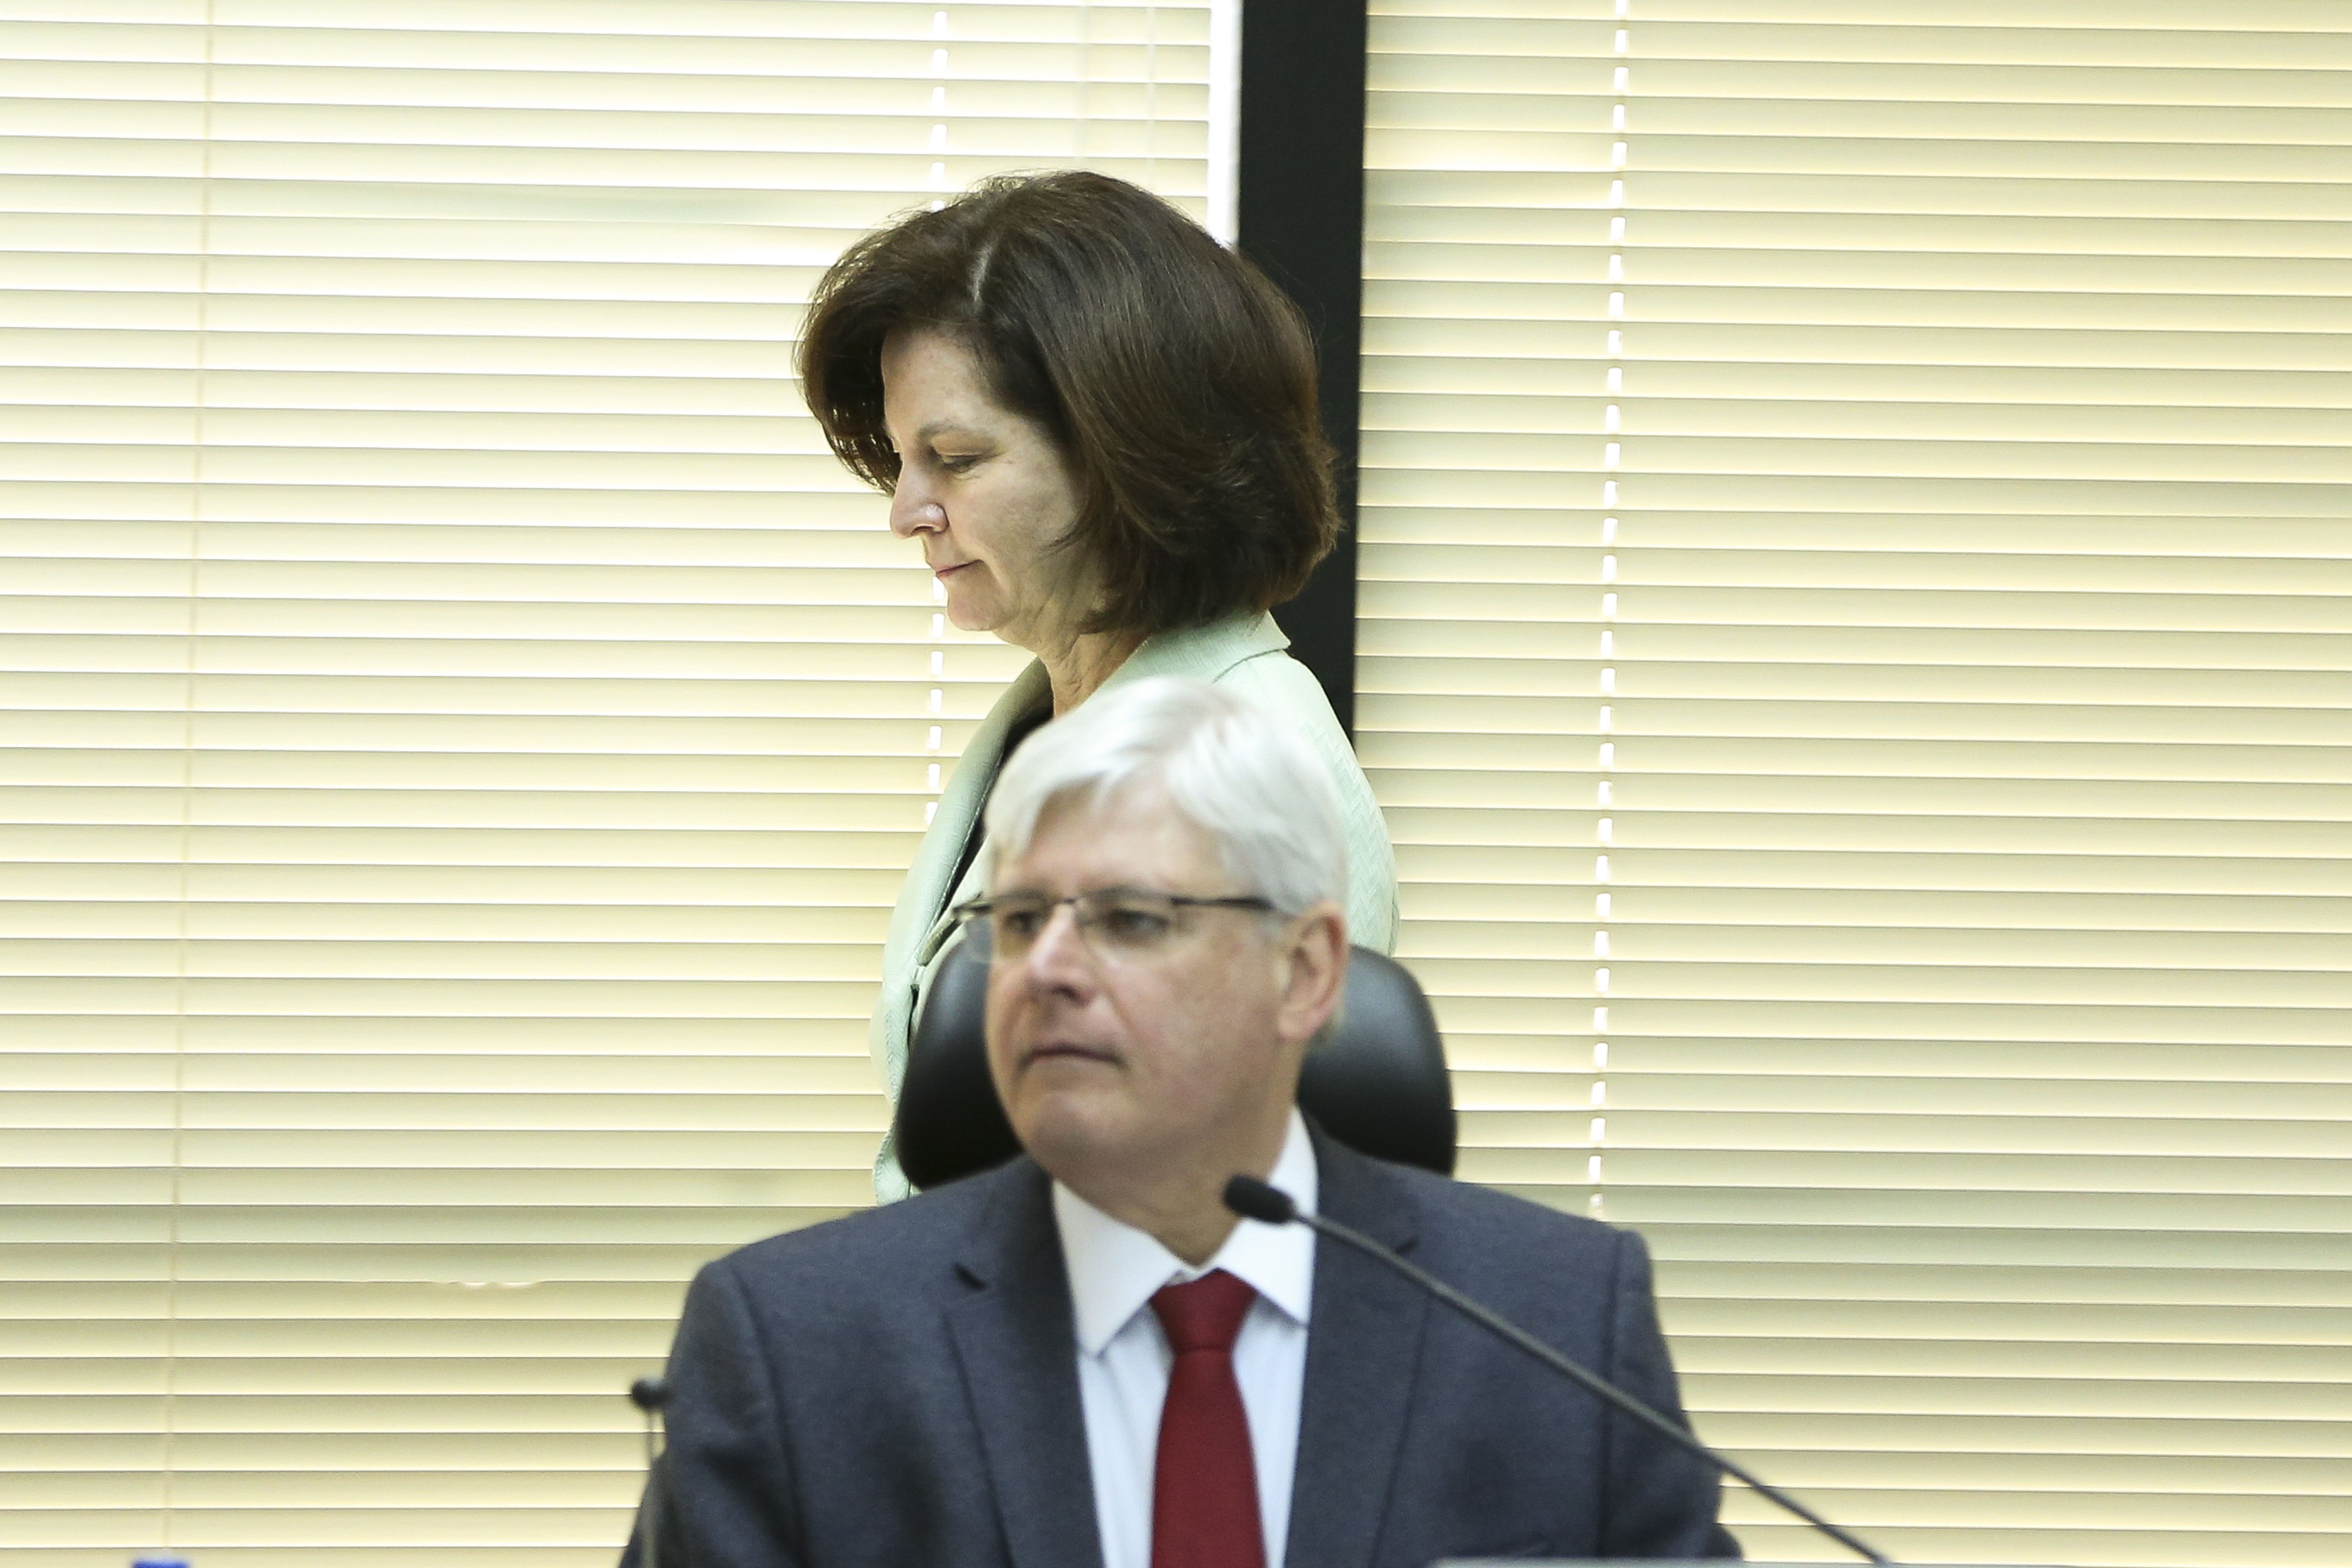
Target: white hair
{"x": 1229, "y": 766}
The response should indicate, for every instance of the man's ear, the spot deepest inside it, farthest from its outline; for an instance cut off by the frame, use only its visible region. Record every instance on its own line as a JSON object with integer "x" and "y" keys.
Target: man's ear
{"x": 1313, "y": 974}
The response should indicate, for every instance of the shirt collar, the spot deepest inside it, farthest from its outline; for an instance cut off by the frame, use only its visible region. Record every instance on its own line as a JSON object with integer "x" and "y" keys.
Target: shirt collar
{"x": 1207, "y": 652}
{"x": 1114, "y": 1268}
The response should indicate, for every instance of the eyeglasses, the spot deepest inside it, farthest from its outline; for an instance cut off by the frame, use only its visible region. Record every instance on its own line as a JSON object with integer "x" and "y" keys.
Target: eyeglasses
{"x": 1116, "y": 923}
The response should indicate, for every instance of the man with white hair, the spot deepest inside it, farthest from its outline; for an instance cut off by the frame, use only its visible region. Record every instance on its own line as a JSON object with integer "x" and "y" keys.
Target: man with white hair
{"x": 1081, "y": 1357}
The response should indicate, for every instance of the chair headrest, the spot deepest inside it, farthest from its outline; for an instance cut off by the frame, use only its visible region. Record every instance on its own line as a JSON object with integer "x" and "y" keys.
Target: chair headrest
{"x": 1378, "y": 1085}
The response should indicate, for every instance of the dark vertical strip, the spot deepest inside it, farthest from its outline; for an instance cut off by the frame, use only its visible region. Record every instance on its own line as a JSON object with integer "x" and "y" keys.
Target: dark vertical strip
{"x": 1301, "y": 216}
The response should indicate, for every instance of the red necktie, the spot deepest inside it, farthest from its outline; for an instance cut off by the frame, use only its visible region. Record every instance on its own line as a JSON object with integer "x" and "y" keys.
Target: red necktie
{"x": 1205, "y": 1486}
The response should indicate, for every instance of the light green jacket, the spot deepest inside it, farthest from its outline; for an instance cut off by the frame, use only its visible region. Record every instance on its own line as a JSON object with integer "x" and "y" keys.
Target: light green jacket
{"x": 1243, "y": 653}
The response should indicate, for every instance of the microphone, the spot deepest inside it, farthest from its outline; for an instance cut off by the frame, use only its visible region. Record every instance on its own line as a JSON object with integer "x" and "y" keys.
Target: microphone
{"x": 1269, "y": 1204}
{"x": 651, "y": 1394}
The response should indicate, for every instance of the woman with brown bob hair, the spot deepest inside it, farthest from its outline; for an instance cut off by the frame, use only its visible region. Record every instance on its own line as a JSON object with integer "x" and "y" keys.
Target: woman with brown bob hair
{"x": 1100, "y": 425}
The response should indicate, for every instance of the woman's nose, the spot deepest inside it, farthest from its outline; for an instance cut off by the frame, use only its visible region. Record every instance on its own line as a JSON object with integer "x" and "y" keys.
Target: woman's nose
{"x": 913, "y": 512}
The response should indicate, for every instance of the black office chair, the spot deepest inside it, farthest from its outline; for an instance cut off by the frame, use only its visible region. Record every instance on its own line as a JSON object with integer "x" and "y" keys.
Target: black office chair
{"x": 1378, "y": 1084}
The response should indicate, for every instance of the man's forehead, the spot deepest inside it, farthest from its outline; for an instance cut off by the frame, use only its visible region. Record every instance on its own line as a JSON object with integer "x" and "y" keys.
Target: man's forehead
{"x": 1136, "y": 836}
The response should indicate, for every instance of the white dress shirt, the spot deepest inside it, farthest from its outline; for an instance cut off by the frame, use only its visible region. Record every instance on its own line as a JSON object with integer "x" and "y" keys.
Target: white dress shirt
{"x": 1124, "y": 1359}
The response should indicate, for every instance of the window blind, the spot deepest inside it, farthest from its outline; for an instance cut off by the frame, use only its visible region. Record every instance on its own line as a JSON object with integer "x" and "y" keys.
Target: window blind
{"x": 463, "y": 733}
{"x": 1893, "y": 850}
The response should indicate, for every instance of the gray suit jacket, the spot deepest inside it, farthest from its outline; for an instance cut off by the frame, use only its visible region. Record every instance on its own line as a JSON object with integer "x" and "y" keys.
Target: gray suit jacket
{"x": 901, "y": 1387}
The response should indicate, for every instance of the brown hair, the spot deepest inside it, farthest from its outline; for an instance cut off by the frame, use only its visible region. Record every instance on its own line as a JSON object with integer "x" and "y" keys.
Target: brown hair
{"x": 1177, "y": 381}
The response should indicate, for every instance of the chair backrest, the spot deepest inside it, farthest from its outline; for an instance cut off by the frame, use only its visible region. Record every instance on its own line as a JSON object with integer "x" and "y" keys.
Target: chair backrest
{"x": 1378, "y": 1085}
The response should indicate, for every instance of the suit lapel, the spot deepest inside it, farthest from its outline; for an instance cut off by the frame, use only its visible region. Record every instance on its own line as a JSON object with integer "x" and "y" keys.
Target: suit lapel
{"x": 1017, "y": 1347}
{"x": 1363, "y": 1352}
{"x": 962, "y": 802}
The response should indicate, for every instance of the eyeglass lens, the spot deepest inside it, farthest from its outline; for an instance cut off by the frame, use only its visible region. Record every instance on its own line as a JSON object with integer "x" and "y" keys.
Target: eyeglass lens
{"x": 1115, "y": 923}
